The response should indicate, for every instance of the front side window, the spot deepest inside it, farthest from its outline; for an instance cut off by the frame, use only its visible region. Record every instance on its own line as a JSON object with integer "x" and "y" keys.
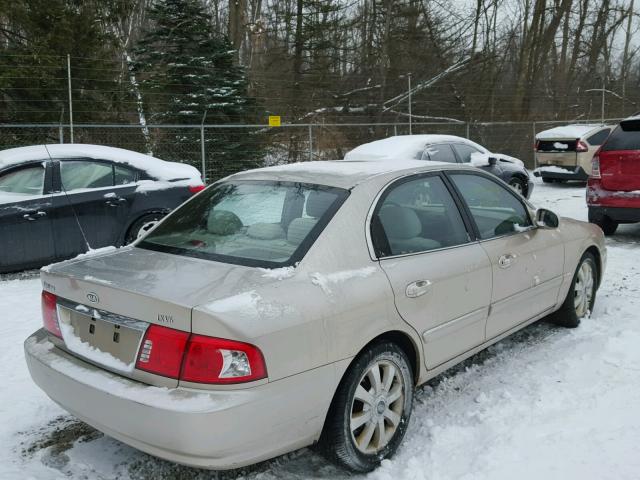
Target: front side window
{"x": 439, "y": 153}
{"x": 465, "y": 152}
{"x": 23, "y": 182}
{"x": 78, "y": 174}
{"x": 494, "y": 208}
{"x": 417, "y": 216}
{"x": 255, "y": 223}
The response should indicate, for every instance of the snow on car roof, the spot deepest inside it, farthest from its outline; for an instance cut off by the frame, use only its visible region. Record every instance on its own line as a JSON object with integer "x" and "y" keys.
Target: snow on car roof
{"x": 403, "y": 146}
{"x": 160, "y": 169}
{"x": 336, "y": 173}
{"x": 570, "y": 132}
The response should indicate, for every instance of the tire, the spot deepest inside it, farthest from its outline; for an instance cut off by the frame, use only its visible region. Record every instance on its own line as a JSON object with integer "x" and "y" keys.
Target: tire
{"x": 607, "y": 225}
{"x": 547, "y": 180}
{"x": 581, "y": 296}
{"x": 142, "y": 226}
{"x": 518, "y": 186}
{"x": 391, "y": 409}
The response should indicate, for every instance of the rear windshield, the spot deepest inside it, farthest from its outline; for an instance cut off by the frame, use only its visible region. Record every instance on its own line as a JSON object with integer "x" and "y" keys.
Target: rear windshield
{"x": 254, "y": 223}
{"x": 557, "y": 145}
{"x": 625, "y": 137}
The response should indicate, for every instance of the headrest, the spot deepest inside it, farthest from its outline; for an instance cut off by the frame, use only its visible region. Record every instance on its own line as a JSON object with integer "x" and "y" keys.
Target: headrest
{"x": 318, "y": 202}
{"x": 299, "y": 228}
{"x": 223, "y": 222}
{"x": 265, "y": 231}
{"x": 400, "y": 222}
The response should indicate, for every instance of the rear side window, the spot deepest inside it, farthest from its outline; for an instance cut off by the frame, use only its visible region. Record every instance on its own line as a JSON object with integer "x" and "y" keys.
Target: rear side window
{"x": 623, "y": 139}
{"x": 263, "y": 224}
{"x": 599, "y": 138}
{"x": 77, "y": 174}
{"x": 123, "y": 175}
{"x": 24, "y": 181}
{"x": 465, "y": 152}
{"x": 439, "y": 153}
{"x": 494, "y": 208}
{"x": 417, "y": 216}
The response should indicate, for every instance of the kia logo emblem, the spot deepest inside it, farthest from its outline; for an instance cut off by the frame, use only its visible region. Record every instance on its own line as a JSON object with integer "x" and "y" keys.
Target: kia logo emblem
{"x": 93, "y": 298}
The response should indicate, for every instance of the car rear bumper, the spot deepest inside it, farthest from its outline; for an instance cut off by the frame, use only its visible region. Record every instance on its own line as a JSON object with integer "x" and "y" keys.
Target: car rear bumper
{"x": 617, "y": 214}
{"x": 555, "y": 173}
{"x": 215, "y": 429}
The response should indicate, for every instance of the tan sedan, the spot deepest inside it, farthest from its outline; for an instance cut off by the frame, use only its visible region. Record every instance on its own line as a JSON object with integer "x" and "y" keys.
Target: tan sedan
{"x": 303, "y": 304}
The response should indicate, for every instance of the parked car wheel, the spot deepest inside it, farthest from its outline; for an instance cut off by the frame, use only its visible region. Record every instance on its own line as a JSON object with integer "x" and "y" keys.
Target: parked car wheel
{"x": 607, "y": 225}
{"x": 141, "y": 226}
{"x": 518, "y": 185}
{"x": 547, "y": 180}
{"x": 371, "y": 409}
{"x": 581, "y": 296}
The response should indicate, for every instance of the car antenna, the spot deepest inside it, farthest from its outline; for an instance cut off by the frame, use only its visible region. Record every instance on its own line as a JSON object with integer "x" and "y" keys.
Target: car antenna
{"x": 75, "y": 214}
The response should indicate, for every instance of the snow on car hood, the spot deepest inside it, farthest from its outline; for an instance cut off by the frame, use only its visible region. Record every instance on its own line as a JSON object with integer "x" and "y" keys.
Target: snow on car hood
{"x": 160, "y": 169}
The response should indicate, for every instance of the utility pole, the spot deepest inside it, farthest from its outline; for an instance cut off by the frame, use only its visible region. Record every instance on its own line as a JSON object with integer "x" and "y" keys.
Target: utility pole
{"x": 70, "y": 101}
{"x": 410, "y": 116}
{"x": 202, "y": 149}
{"x": 602, "y": 107}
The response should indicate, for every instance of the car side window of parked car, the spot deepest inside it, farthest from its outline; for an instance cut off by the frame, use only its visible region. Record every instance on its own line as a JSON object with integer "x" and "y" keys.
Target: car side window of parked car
{"x": 23, "y": 181}
{"x": 599, "y": 138}
{"x": 123, "y": 175}
{"x": 417, "y": 216}
{"x": 465, "y": 152}
{"x": 495, "y": 209}
{"x": 439, "y": 153}
{"x": 77, "y": 174}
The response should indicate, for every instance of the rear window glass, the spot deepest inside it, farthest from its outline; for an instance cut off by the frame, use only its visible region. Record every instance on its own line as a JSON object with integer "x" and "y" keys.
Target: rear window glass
{"x": 623, "y": 139}
{"x": 255, "y": 223}
{"x": 557, "y": 145}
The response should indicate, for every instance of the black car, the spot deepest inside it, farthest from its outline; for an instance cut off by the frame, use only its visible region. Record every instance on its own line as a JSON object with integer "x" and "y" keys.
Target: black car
{"x": 57, "y": 201}
{"x": 451, "y": 149}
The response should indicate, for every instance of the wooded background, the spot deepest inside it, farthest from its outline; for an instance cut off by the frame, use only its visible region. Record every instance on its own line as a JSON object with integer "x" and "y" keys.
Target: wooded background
{"x": 312, "y": 61}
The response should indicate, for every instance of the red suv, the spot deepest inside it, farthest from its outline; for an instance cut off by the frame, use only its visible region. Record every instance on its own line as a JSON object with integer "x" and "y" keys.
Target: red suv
{"x": 613, "y": 190}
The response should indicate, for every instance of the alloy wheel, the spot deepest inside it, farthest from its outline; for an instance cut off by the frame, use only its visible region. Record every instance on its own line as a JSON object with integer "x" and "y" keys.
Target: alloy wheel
{"x": 583, "y": 288}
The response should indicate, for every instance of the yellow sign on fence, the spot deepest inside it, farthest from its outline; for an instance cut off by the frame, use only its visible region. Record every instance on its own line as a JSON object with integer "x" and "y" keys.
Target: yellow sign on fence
{"x": 274, "y": 120}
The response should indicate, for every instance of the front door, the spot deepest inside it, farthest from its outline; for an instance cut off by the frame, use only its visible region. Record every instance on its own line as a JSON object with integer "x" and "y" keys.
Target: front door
{"x": 26, "y": 238}
{"x": 527, "y": 262}
{"x": 440, "y": 278}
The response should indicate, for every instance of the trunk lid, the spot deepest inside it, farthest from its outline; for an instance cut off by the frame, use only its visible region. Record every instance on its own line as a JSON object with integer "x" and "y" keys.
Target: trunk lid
{"x": 620, "y": 158}
{"x": 107, "y": 302}
{"x": 557, "y": 152}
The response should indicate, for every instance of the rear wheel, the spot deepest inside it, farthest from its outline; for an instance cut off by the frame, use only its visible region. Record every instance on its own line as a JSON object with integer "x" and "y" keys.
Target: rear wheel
{"x": 141, "y": 226}
{"x": 547, "y": 180}
{"x": 518, "y": 185}
{"x": 581, "y": 296}
{"x": 371, "y": 409}
{"x": 607, "y": 225}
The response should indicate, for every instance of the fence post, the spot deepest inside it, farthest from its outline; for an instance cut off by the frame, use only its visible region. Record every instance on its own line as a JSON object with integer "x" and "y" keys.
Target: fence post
{"x": 202, "y": 149}
{"x": 70, "y": 100}
{"x": 535, "y": 158}
{"x": 395, "y": 129}
{"x": 60, "y": 133}
{"x": 467, "y": 130}
{"x": 310, "y": 142}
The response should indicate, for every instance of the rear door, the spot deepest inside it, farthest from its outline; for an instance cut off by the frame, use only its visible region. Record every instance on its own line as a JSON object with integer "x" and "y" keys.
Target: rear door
{"x": 441, "y": 278}
{"x": 527, "y": 262}
{"x": 90, "y": 207}
{"x": 620, "y": 158}
{"x": 26, "y": 238}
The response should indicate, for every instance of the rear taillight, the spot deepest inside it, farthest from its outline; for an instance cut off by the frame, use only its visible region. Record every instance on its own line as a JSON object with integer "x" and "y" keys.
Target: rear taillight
{"x": 581, "y": 147}
{"x": 50, "y": 313}
{"x": 196, "y": 188}
{"x": 162, "y": 350}
{"x": 198, "y": 358}
{"x": 595, "y": 166}
{"x": 215, "y": 360}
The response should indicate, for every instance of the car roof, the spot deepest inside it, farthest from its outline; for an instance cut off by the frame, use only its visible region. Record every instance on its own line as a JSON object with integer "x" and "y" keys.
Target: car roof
{"x": 570, "y": 132}
{"x": 404, "y": 146}
{"x": 154, "y": 166}
{"x": 341, "y": 173}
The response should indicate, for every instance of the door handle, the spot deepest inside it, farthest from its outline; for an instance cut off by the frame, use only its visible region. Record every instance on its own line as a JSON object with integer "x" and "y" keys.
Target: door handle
{"x": 115, "y": 202}
{"x": 31, "y": 216}
{"x": 506, "y": 260}
{"x": 418, "y": 288}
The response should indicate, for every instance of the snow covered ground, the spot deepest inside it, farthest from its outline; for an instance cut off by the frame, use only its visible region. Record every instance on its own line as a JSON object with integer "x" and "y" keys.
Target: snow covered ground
{"x": 547, "y": 403}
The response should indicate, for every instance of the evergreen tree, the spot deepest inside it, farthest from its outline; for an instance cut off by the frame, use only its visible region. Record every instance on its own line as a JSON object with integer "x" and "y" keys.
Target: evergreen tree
{"x": 185, "y": 71}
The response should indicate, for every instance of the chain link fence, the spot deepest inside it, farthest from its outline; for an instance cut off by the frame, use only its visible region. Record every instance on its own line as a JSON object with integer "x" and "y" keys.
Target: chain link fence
{"x": 219, "y": 150}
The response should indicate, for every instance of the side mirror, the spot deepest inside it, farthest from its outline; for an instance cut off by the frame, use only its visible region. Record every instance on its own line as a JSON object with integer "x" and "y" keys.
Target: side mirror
{"x": 546, "y": 218}
{"x": 493, "y": 161}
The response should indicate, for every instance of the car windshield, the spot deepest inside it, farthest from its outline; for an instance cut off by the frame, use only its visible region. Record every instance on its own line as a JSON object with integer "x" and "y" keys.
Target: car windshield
{"x": 254, "y": 223}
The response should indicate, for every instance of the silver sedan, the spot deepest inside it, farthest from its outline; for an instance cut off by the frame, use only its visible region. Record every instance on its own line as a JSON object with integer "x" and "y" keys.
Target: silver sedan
{"x": 303, "y": 304}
